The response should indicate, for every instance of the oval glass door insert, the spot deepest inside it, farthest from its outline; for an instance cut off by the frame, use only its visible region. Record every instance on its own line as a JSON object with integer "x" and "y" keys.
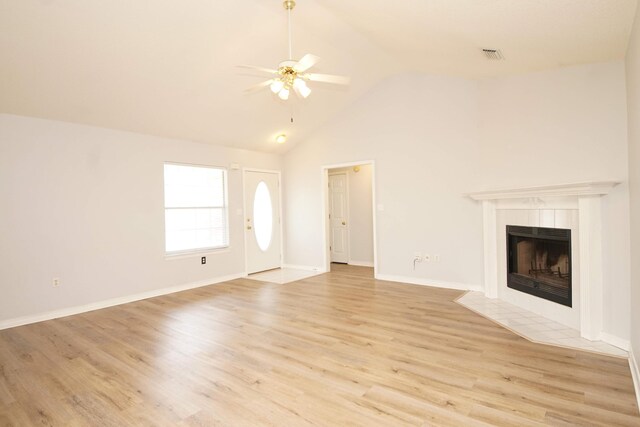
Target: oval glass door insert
{"x": 263, "y": 216}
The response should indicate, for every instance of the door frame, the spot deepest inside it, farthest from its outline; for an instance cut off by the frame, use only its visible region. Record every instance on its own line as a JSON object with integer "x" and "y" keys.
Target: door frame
{"x": 326, "y": 228}
{"x": 244, "y": 213}
{"x": 346, "y": 174}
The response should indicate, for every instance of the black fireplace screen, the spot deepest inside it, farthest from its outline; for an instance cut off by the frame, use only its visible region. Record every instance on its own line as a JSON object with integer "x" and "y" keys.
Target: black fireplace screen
{"x": 539, "y": 262}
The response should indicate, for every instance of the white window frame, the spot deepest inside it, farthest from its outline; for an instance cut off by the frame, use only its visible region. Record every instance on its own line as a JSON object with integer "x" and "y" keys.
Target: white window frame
{"x": 205, "y": 250}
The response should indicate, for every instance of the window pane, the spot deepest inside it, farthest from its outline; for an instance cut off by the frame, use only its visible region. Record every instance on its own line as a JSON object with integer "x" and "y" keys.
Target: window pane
{"x": 263, "y": 216}
{"x": 195, "y": 228}
{"x": 192, "y": 186}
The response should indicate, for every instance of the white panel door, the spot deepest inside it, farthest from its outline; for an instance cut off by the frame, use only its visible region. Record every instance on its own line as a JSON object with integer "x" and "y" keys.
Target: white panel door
{"x": 262, "y": 220}
{"x": 338, "y": 214}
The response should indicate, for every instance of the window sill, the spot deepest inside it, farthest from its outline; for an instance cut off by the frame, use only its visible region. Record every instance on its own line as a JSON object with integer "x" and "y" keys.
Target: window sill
{"x": 196, "y": 253}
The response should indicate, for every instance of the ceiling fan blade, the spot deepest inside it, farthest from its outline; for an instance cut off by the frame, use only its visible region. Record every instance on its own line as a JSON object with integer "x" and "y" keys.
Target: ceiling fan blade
{"x": 262, "y": 69}
{"x": 258, "y": 86}
{"x": 306, "y": 62}
{"x": 328, "y": 78}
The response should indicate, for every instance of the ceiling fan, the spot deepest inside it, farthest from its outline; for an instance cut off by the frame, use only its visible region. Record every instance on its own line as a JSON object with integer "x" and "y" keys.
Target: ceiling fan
{"x": 292, "y": 74}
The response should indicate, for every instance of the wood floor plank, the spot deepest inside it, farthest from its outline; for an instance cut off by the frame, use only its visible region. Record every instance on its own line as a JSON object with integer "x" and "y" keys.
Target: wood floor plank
{"x": 335, "y": 349}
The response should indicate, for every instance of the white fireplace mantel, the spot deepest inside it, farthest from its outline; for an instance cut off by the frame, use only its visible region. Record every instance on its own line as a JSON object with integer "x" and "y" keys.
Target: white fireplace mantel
{"x": 589, "y": 205}
{"x": 599, "y": 188}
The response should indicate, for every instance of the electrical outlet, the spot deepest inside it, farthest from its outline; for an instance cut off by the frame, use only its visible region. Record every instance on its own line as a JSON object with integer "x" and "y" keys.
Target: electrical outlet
{"x": 417, "y": 256}
{"x": 56, "y": 282}
{"x": 203, "y": 260}
{"x": 427, "y": 258}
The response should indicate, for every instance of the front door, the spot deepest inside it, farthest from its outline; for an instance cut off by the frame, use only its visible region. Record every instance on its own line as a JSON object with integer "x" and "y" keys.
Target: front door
{"x": 338, "y": 213}
{"x": 262, "y": 220}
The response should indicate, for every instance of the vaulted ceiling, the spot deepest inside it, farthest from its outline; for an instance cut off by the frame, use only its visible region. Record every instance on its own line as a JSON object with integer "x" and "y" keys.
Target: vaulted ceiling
{"x": 167, "y": 67}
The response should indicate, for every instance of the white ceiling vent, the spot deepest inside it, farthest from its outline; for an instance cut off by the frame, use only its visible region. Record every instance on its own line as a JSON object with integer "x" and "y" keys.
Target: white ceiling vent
{"x": 493, "y": 54}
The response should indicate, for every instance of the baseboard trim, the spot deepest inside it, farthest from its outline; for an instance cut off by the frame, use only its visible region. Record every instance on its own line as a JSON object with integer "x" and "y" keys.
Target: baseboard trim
{"x": 635, "y": 373}
{"x": 303, "y": 267}
{"x": 428, "y": 282}
{"x": 361, "y": 263}
{"x": 54, "y": 314}
{"x": 615, "y": 341}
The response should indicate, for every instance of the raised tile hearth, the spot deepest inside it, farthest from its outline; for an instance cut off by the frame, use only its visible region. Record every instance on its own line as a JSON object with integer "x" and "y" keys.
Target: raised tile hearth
{"x": 532, "y": 326}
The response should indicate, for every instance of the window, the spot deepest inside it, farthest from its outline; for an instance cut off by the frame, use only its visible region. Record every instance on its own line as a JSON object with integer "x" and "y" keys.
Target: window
{"x": 195, "y": 208}
{"x": 263, "y": 216}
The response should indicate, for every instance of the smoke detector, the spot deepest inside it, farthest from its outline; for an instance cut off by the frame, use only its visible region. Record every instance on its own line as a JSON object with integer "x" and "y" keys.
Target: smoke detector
{"x": 493, "y": 54}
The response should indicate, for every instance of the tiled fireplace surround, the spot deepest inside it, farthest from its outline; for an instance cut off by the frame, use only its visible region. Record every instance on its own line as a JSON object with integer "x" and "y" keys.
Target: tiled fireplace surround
{"x": 572, "y": 206}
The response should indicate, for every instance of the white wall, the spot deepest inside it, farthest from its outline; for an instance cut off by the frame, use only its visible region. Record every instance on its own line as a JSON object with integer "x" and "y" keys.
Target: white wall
{"x": 436, "y": 138}
{"x": 86, "y": 205}
{"x": 633, "y": 99}
{"x": 360, "y": 214}
{"x": 421, "y": 132}
{"x": 563, "y": 126}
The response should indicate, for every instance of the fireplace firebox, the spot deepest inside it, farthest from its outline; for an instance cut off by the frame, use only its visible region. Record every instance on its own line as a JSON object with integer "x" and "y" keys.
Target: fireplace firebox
{"x": 539, "y": 262}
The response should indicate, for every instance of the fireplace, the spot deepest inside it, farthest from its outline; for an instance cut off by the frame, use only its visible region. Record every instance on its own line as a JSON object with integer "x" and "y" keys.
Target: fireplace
{"x": 539, "y": 262}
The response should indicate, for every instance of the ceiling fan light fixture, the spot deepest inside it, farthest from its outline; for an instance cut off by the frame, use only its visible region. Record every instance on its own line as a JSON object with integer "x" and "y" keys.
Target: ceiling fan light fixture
{"x": 281, "y": 139}
{"x": 304, "y": 92}
{"x": 301, "y": 87}
{"x": 284, "y": 94}
{"x": 276, "y": 86}
{"x": 298, "y": 83}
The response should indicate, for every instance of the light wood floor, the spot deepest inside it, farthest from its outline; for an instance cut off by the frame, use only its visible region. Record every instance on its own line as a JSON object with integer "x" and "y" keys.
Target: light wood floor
{"x": 336, "y": 349}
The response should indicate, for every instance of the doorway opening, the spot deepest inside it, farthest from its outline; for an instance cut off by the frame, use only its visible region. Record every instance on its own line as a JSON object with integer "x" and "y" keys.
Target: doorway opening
{"x": 349, "y": 215}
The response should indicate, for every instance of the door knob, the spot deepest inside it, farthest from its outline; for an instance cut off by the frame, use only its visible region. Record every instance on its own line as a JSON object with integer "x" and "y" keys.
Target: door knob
{"x": 344, "y": 223}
